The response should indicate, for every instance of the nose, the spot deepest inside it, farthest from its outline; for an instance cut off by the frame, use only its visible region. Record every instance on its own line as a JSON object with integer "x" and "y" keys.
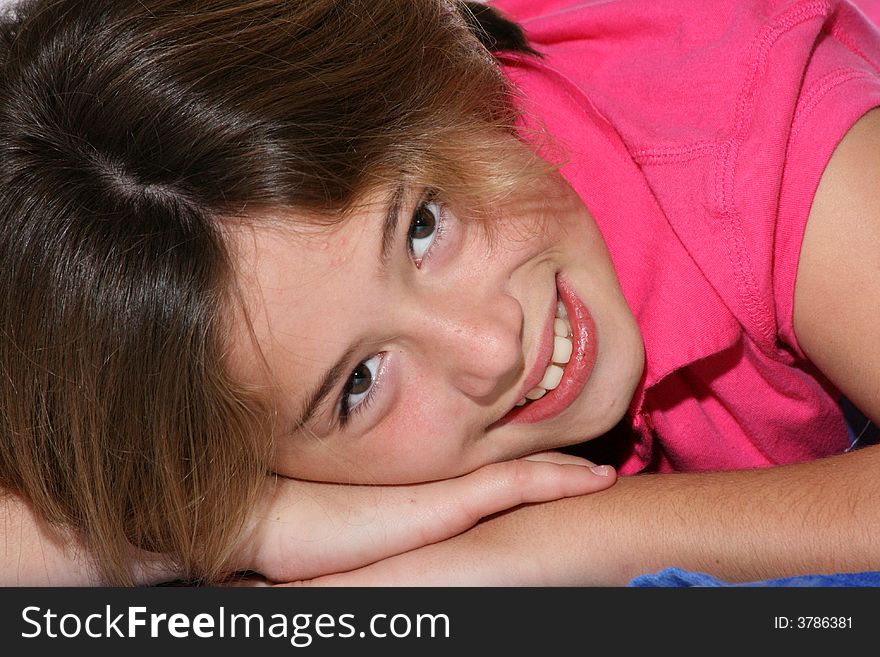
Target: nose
{"x": 476, "y": 341}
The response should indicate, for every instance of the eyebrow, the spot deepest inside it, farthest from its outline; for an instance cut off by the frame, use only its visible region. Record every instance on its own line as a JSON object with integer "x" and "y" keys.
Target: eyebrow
{"x": 339, "y": 369}
{"x": 389, "y": 226}
{"x": 328, "y": 382}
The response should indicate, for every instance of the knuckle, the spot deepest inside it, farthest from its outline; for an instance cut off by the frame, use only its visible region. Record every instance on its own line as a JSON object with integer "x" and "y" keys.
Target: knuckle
{"x": 521, "y": 473}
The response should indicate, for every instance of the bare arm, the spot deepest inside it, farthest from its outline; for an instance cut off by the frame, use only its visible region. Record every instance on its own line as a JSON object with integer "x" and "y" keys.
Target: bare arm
{"x": 741, "y": 526}
{"x": 822, "y": 516}
{"x": 307, "y": 528}
{"x": 838, "y": 286}
{"x": 32, "y": 555}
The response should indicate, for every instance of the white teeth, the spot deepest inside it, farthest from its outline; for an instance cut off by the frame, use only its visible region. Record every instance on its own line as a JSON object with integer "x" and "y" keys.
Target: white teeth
{"x": 561, "y": 350}
{"x": 535, "y": 393}
{"x": 552, "y": 377}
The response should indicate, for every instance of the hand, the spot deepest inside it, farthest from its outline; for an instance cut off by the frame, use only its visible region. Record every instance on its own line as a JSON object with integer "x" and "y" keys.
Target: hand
{"x": 474, "y": 558}
{"x": 741, "y": 526}
{"x": 520, "y": 547}
{"x": 309, "y": 529}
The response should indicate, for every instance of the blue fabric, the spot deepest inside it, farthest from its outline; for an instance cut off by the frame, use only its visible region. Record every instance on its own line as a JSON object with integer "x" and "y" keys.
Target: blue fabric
{"x": 862, "y": 432}
{"x": 676, "y": 577}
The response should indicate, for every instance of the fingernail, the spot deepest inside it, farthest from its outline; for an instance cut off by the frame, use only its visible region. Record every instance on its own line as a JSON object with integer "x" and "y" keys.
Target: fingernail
{"x": 601, "y": 470}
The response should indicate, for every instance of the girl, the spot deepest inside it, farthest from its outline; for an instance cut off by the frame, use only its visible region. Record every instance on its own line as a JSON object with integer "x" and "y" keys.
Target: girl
{"x": 373, "y": 279}
{"x": 743, "y": 137}
{"x": 139, "y": 440}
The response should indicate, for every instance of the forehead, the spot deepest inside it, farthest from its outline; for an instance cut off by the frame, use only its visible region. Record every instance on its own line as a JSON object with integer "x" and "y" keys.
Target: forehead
{"x": 294, "y": 276}
{"x": 298, "y": 251}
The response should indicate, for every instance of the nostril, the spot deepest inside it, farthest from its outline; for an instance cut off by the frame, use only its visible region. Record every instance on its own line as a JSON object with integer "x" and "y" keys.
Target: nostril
{"x": 493, "y": 360}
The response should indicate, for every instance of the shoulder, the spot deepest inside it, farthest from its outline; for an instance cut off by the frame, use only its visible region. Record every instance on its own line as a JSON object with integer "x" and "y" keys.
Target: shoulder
{"x": 838, "y": 277}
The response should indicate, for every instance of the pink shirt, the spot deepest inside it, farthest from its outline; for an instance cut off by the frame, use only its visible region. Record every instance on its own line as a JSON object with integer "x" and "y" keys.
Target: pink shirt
{"x": 696, "y": 133}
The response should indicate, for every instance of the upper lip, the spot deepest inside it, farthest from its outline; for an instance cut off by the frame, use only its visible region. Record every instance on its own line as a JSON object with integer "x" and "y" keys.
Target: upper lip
{"x": 543, "y": 356}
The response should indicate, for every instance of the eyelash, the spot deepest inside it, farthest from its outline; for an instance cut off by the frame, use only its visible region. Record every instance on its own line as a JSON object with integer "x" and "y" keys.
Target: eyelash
{"x": 429, "y": 198}
{"x": 345, "y": 411}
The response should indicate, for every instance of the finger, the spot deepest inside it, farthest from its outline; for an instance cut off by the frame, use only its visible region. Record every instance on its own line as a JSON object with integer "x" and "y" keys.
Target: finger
{"x": 322, "y": 528}
{"x": 504, "y": 485}
{"x": 460, "y": 503}
{"x": 558, "y": 457}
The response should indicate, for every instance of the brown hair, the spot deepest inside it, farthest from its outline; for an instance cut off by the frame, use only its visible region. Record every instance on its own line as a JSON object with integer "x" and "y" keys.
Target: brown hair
{"x": 130, "y": 131}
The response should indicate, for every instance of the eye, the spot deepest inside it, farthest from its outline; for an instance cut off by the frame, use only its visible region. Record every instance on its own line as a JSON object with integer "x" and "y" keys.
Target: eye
{"x": 359, "y": 386}
{"x": 424, "y": 229}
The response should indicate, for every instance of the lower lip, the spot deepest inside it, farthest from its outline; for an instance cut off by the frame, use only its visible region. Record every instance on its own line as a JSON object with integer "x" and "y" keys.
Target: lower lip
{"x": 577, "y": 371}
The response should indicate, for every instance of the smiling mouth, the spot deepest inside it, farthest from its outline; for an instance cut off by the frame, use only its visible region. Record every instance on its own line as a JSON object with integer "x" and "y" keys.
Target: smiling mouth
{"x": 562, "y": 348}
{"x": 570, "y": 358}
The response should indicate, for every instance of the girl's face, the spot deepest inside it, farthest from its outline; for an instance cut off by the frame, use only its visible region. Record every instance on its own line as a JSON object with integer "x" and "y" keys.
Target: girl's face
{"x": 397, "y": 344}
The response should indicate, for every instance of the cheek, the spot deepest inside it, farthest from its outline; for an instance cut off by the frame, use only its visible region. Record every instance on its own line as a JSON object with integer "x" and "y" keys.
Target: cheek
{"x": 418, "y": 442}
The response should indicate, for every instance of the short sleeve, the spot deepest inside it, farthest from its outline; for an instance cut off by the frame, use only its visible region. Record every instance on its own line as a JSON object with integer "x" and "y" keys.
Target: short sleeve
{"x": 841, "y": 84}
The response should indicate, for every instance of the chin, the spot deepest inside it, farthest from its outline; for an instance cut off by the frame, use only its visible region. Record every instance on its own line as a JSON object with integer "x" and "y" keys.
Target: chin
{"x": 607, "y": 399}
